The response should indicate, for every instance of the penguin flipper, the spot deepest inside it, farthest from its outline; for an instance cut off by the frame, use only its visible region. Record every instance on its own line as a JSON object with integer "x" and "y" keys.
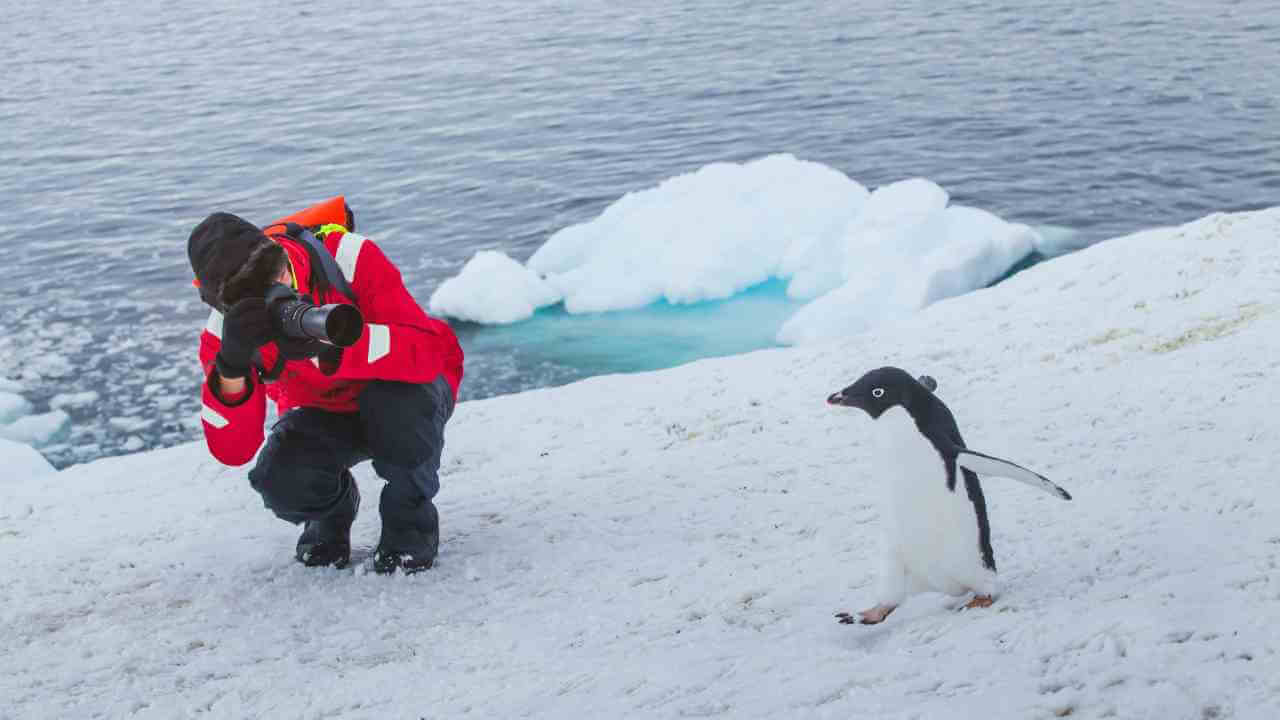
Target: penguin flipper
{"x": 988, "y": 465}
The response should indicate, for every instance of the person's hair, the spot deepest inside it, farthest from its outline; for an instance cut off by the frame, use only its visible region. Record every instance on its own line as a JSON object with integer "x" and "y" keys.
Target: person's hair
{"x": 257, "y": 274}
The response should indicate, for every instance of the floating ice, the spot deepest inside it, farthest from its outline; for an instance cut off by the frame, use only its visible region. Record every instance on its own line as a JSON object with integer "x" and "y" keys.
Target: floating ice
{"x": 130, "y": 424}
{"x": 12, "y": 407}
{"x": 73, "y": 400}
{"x": 37, "y": 430}
{"x": 949, "y": 251}
{"x": 857, "y": 258}
{"x": 492, "y": 289}
{"x": 706, "y": 235}
{"x": 10, "y": 386}
{"x": 22, "y": 461}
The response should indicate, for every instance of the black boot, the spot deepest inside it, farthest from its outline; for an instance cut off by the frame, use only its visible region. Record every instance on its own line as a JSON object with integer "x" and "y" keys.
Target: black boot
{"x": 408, "y": 545}
{"x": 327, "y": 541}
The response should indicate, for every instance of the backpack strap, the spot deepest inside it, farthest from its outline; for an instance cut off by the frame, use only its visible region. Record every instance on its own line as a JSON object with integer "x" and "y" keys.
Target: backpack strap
{"x": 328, "y": 265}
{"x": 332, "y": 275}
{"x": 321, "y": 258}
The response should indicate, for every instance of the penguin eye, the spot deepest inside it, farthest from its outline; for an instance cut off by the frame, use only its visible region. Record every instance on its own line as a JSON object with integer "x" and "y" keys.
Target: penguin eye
{"x": 877, "y": 393}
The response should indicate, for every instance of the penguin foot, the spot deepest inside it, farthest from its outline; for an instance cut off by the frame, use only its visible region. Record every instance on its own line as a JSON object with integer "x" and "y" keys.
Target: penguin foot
{"x": 873, "y": 616}
{"x": 979, "y": 601}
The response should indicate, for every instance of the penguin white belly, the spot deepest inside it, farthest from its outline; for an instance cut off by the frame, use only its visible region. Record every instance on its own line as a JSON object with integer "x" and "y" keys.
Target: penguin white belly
{"x": 933, "y": 530}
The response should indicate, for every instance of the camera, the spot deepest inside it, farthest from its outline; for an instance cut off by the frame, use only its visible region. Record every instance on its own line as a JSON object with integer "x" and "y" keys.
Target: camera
{"x": 299, "y": 318}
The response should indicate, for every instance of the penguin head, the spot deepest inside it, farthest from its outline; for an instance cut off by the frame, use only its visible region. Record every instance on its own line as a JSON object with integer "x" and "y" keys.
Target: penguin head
{"x": 879, "y": 390}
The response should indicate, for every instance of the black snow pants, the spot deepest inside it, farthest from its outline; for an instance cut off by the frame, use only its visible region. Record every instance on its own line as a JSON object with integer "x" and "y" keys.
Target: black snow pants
{"x": 303, "y": 472}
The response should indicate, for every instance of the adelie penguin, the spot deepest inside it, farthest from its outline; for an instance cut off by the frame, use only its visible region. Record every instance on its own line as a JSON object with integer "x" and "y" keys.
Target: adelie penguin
{"x": 936, "y": 536}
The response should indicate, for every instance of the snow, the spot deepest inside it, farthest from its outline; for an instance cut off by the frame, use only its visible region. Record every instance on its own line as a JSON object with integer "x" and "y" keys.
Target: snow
{"x": 675, "y": 543}
{"x": 861, "y": 258}
{"x": 492, "y": 289}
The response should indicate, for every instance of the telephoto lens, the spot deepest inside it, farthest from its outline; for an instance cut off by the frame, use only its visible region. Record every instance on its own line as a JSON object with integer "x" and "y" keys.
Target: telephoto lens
{"x": 298, "y": 317}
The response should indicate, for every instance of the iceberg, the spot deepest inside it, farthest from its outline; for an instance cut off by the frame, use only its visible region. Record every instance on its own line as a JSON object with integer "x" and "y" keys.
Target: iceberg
{"x": 706, "y": 235}
{"x": 21, "y": 462}
{"x": 38, "y": 430}
{"x": 12, "y": 407}
{"x": 21, "y": 432}
{"x": 492, "y": 289}
{"x": 851, "y": 257}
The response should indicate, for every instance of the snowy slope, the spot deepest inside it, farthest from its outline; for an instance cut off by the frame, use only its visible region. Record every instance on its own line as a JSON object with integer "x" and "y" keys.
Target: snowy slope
{"x": 674, "y": 544}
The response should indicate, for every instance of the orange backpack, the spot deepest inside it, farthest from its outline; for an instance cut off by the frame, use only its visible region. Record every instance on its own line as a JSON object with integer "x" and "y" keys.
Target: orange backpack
{"x": 333, "y": 211}
{"x": 303, "y": 227}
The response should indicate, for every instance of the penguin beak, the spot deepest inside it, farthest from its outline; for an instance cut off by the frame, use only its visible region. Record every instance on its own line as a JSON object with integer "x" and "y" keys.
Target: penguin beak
{"x": 838, "y": 398}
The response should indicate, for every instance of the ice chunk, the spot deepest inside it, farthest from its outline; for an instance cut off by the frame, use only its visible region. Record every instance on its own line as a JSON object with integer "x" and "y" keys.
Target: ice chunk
{"x": 857, "y": 258}
{"x": 73, "y": 400}
{"x": 896, "y": 266}
{"x": 130, "y": 423}
{"x": 706, "y": 235}
{"x": 21, "y": 461}
{"x": 10, "y": 386}
{"x": 976, "y": 248}
{"x": 37, "y": 430}
{"x": 49, "y": 365}
{"x": 492, "y": 289}
{"x": 12, "y": 407}
{"x": 1055, "y": 240}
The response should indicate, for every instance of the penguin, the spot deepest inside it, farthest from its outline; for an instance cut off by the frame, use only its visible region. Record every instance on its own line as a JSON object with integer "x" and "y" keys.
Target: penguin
{"x": 935, "y": 532}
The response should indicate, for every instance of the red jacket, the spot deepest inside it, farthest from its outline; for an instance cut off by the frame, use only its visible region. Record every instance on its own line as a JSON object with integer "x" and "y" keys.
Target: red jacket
{"x": 400, "y": 342}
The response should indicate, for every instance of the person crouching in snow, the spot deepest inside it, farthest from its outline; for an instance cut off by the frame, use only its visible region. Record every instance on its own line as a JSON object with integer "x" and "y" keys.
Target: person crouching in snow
{"x": 385, "y": 398}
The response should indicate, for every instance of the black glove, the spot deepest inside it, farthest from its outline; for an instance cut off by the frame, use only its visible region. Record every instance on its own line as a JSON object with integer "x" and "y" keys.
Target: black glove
{"x": 245, "y": 328}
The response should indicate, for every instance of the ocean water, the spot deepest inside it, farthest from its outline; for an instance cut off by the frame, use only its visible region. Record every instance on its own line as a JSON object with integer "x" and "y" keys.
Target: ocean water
{"x": 465, "y": 126}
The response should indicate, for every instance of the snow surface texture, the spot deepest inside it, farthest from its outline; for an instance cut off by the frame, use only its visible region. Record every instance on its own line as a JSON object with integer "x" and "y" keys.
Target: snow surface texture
{"x": 674, "y": 544}
{"x": 861, "y": 258}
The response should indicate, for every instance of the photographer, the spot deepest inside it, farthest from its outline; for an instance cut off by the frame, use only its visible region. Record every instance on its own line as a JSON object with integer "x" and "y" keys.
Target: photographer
{"x": 385, "y": 397}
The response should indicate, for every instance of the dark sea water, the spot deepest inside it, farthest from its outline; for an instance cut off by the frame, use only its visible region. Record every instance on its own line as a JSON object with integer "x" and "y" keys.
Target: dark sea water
{"x": 467, "y": 125}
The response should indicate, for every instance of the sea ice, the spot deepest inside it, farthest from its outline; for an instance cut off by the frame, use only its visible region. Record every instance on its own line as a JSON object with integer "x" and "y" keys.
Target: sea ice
{"x": 705, "y": 235}
{"x": 899, "y": 267}
{"x": 37, "y": 430}
{"x": 130, "y": 423}
{"x": 73, "y": 400}
{"x": 12, "y": 407}
{"x": 21, "y": 461}
{"x": 711, "y": 234}
{"x": 492, "y": 289}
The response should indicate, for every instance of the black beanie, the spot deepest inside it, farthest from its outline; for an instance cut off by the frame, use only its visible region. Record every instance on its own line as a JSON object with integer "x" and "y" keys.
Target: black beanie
{"x": 219, "y": 245}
